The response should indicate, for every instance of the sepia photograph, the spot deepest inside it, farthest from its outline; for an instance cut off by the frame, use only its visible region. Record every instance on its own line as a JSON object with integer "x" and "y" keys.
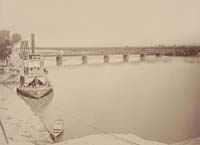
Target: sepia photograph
{"x": 99, "y": 72}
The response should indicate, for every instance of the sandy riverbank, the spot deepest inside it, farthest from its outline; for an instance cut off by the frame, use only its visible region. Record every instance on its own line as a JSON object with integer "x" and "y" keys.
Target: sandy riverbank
{"x": 121, "y": 139}
{"x": 193, "y": 141}
{"x": 107, "y": 139}
{"x": 20, "y": 123}
{"x": 110, "y": 139}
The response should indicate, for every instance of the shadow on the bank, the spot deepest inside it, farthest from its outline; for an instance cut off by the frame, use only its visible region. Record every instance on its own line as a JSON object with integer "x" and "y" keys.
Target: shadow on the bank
{"x": 38, "y": 105}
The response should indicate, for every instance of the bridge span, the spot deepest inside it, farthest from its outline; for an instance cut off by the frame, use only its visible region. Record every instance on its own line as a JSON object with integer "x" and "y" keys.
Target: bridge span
{"x": 106, "y": 52}
{"x": 126, "y": 51}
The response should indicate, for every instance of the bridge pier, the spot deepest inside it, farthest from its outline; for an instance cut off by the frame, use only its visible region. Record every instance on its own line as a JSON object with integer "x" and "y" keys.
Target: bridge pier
{"x": 106, "y": 58}
{"x": 84, "y": 59}
{"x": 125, "y": 58}
{"x": 170, "y": 54}
{"x": 142, "y": 57}
{"x": 59, "y": 60}
{"x": 158, "y": 55}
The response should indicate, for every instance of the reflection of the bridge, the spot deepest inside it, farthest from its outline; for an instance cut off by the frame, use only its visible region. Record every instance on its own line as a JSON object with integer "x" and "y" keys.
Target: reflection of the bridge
{"x": 38, "y": 105}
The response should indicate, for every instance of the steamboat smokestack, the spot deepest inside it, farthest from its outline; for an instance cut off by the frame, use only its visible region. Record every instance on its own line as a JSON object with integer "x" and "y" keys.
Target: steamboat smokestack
{"x": 33, "y": 43}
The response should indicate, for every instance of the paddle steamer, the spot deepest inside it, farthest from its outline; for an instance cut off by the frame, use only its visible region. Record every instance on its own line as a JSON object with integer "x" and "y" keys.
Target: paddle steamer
{"x": 33, "y": 79}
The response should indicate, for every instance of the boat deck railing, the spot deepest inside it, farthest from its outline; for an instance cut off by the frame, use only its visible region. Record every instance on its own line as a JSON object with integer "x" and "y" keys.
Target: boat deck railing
{"x": 35, "y": 87}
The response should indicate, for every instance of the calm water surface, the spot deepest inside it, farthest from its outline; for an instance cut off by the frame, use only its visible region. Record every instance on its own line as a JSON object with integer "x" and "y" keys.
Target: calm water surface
{"x": 156, "y": 99}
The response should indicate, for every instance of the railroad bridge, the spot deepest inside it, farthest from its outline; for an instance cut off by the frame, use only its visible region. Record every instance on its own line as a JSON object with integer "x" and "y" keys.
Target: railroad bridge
{"x": 106, "y": 52}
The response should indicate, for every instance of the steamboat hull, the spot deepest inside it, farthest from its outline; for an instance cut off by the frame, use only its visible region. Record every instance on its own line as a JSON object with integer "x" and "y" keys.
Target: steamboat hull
{"x": 36, "y": 93}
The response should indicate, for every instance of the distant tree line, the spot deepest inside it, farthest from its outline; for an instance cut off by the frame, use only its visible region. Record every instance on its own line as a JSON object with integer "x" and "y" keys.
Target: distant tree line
{"x": 7, "y": 42}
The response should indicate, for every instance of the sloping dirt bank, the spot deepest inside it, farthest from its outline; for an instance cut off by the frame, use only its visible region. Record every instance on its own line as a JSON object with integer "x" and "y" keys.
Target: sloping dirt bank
{"x": 121, "y": 139}
{"x": 110, "y": 139}
{"x": 19, "y": 122}
{"x": 193, "y": 141}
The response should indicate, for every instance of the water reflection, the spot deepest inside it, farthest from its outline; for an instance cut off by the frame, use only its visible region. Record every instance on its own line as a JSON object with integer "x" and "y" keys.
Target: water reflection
{"x": 156, "y": 98}
{"x": 38, "y": 105}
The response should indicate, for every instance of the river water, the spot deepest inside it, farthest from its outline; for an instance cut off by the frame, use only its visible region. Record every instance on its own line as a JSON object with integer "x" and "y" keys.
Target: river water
{"x": 157, "y": 99}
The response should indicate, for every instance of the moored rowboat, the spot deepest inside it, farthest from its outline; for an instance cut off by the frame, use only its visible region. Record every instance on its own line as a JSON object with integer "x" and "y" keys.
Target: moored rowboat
{"x": 57, "y": 130}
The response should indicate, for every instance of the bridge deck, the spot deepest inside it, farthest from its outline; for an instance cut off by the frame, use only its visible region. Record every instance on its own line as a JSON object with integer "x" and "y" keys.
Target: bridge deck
{"x": 173, "y": 50}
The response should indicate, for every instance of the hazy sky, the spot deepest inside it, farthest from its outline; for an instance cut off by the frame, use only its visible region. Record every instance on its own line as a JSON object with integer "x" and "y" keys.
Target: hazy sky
{"x": 103, "y": 22}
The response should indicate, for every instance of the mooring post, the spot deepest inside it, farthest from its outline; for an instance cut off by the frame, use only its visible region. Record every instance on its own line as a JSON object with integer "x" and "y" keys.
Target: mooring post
{"x": 106, "y": 58}
{"x": 125, "y": 58}
{"x": 158, "y": 55}
{"x": 59, "y": 60}
{"x": 142, "y": 57}
{"x": 84, "y": 59}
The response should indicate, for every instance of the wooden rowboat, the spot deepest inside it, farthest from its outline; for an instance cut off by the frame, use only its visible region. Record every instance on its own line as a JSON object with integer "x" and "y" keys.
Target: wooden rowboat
{"x": 57, "y": 130}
